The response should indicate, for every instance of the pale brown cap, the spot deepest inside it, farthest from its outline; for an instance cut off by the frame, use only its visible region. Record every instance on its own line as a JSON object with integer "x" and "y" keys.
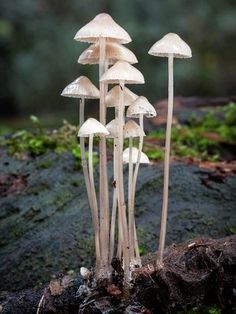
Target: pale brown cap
{"x": 122, "y": 71}
{"x": 141, "y": 106}
{"x": 114, "y": 52}
{"x": 112, "y": 97}
{"x": 104, "y": 26}
{"x": 92, "y": 126}
{"x": 132, "y": 129}
{"x": 171, "y": 44}
{"x": 81, "y": 87}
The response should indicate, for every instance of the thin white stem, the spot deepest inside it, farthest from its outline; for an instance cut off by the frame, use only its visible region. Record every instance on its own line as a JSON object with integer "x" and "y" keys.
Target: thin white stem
{"x": 40, "y": 304}
{"x": 130, "y": 191}
{"x": 114, "y": 209}
{"x": 94, "y": 202}
{"x": 135, "y": 243}
{"x": 82, "y": 151}
{"x": 120, "y": 187}
{"x": 103, "y": 180}
{"x": 137, "y": 254}
{"x": 167, "y": 160}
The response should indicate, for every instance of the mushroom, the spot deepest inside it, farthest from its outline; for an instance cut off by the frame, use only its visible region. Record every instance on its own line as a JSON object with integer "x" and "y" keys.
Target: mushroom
{"x": 139, "y": 108}
{"x": 170, "y": 46}
{"x": 126, "y": 156}
{"x": 114, "y": 53}
{"x": 131, "y": 130}
{"x": 101, "y": 29}
{"x": 122, "y": 73}
{"x": 82, "y": 88}
{"x": 90, "y": 128}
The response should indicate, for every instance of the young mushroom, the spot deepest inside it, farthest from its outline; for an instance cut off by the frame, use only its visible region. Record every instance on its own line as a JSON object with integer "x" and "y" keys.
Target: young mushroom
{"x": 122, "y": 73}
{"x": 131, "y": 130}
{"x": 90, "y": 128}
{"x": 103, "y": 29}
{"x": 170, "y": 46}
{"x": 82, "y": 88}
{"x": 138, "y": 109}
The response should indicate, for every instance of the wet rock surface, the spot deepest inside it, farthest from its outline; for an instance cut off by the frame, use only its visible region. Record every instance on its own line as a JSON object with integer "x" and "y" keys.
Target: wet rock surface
{"x": 45, "y": 222}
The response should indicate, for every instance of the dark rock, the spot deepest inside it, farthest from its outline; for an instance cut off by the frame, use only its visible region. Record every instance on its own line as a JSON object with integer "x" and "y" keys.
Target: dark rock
{"x": 46, "y": 227}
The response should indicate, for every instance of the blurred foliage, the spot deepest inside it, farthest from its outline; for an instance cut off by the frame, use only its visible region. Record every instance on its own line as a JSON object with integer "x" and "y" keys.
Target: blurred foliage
{"x": 39, "y": 141}
{"x": 38, "y": 54}
{"x": 202, "y": 138}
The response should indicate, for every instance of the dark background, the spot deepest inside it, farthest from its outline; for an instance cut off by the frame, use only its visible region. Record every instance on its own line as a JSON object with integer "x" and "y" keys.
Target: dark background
{"x": 39, "y": 56}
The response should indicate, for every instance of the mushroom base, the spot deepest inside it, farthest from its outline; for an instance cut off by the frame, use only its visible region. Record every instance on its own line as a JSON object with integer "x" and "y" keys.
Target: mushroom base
{"x": 198, "y": 273}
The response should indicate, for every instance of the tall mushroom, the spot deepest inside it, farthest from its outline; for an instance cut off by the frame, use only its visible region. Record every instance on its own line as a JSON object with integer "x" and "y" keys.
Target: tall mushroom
{"x": 90, "y": 128}
{"x": 82, "y": 88}
{"x": 122, "y": 73}
{"x": 101, "y": 29}
{"x": 138, "y": 109}
{"x": 112, "y": 101}
{"x": 171, "y": 46}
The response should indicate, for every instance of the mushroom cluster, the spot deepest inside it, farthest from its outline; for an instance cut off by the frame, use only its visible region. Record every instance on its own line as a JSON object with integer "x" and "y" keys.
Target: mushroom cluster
{"x": 116, "y": 67}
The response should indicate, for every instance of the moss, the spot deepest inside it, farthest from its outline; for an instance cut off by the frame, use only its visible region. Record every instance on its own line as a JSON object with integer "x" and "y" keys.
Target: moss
{"x": 193, "y": 140}
{"x": 39, "y": 141}
{"x": 213, "y": 309}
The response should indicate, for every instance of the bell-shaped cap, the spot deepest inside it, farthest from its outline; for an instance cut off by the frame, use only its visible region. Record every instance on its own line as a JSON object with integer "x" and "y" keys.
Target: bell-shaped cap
{"x": 81, "y": 87}
{"x": 122, "y": 71}
{"x": 171, "y": 44}
{"x": 134, "y": 151}
{"x": 112, "y": 97}
{"x": 114, "y": 52}
{"x": 92, "y": 126}
{"x": 141, "y": 106}
{"x": 112, "y": 128}
{"x": 132, "y": 129}
{"x": 104, "y": 26}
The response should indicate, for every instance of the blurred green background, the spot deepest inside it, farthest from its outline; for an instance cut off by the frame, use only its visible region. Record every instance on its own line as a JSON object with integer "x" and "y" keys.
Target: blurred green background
{"x": 39, "y": 56}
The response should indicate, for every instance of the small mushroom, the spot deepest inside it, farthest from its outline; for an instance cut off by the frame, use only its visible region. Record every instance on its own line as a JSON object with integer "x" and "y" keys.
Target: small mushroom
{"x": 90, "y": 128}
{"x": 143, "y": 160}
{"x": 170, "y": 46}
{"x": 138, "y": 109}
{"x": 82, "y": 88}
{"x": 132, "y": 130}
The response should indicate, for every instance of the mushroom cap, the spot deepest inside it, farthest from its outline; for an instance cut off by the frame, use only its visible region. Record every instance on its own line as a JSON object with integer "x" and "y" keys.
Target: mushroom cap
{"x": 171, "y": 44}
{"x": 143, "y": 159}
{"x": 92, "y": 126}
{"x": 114, "y": 52}
{"x": 122, "y": 71}
{"x": 104, "y": 26}
{"x": 81, "y": 87}
{"x": 112, "y": 128}
{"x": 112, "y": 97}
{"x": 132, "y": 129}
{"x": 141, "y": 106}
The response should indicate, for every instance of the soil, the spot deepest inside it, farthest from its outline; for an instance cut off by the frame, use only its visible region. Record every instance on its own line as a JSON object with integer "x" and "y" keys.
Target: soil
{"x": 45, "y": 223}
{"x": 197, "y": 273}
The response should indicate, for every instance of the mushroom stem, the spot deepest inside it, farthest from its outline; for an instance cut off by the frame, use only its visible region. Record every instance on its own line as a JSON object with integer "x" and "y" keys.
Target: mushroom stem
{"x": 167, "y": 159}
{"x": 120, "y": 187}
{"x": 94, "y": 204}
{"x": 114, "y": 208}
{"x": 103, "y": 182}
{"x": 135, "y": 243}
{"x": 82, "y": 151}
{"x": 130, "y": 213}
